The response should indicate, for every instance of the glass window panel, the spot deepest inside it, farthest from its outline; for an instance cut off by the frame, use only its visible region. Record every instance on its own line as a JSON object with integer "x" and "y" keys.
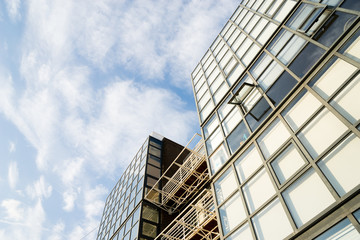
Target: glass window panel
{"x": 241, "y": 16}
{"x": 218, "y": 48}
{"x": 260, "y": 65}
{"x": 246, "y": 19}
{"x": 291, "y": 49}
{"x": 150, "y": 213}
{"x": 225, "y": 59}
{"x": 258, "y": 114}
{"x": 205, "y": 57}
{"x": 225, "y": 108}
{"x": 210, "y": 126}
{"x": 272, "y": 222}
{"x": 251, "y": 23}
{"x": 251, "y": 99}
{"x": 287, "y": 163}
{"x": 272, "y": 138}
{"x": 349, "y": 4}
{"x": 257, "y": 4}
{"x": 206, "y": 111}
{"x": 342, "y": 230}
{"x": 242, "y": 233}
{"x": 247, "y": 163}
{"x": 200, "y": 83}
{"x": 218, "y": 159}
{"x": 341, "y": 166}
{"x": 230, "y": 66}
{"x": 201, "y": 91}
{"x": 220, "y": 92}
{"x": 238, "y": 42}
{"x": 270, "y": 75}
{"x": 307, "y": 197}
{"x": 336, "y": 74}
{"x": 154, "y": 160}
{"x": 154, "y": 151}
{"x": 281, "y": 88}
{"x": 279, "y": 41}
{"x": 250, "y": 54}
{"x": 265, "y": 6}
{"x": 258, "y": 190}
{"x": 204, "y": 100}
{"x": 214, "y": 141}
{"x": 259, "y": 27}
{"x": 231, "y": 121}
{"x": 346, "y": 101}
{"x": 232, "y": 213}
{"x": 306, "y": 59}
{"x": 225, "y": 185}
{"x": 284, "y": 10}
{"x": 225, "y": 29}
{"x": 244, "y": 47}
{"x": 267, "y": 33}
{"x": 229, "y": 32}
{"x": 236, "y": 13}
{"x": 301, "y": 14}
{"x": 196, "y": 72}
{"x": 235, "y": 74}
{"x": 335, "y": 26}
{"x": 300, "y": 110}
{"x": 222, "y": 53}
{"x": 237, "y": 137}
{"x": 274, "y": 6}
{"x": 216, "y": 43}
{"x": 218, "y": 81}
{"x": 321, "y": 132}
{"x": 208, "y": 62}
{"x": 234, "y": 36}
{"x": 352, "y": 48}
{"x": 214, "y": 74}
{"x": 153, "y": 171}
{"x": 210, "y": 68}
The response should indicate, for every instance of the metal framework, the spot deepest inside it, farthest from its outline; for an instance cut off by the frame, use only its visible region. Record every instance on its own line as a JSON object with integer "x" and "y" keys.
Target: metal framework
{"x": 182, "y": 178}
{"x": 197, "y": 221}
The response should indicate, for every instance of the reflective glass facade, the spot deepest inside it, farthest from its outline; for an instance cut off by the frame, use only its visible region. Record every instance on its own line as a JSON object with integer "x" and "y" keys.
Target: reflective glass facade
{"x": 278, "y": 96}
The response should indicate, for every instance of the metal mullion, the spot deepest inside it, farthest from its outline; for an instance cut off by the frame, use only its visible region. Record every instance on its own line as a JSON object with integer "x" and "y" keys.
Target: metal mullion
{"x": 347, "y": 59}
{"x": 354, "y": 222}
{"x": 305, "y": 37}
{"x": 247, "y": 36}
{"x": 217, "y": 63}
{"x": 262, "y": 15}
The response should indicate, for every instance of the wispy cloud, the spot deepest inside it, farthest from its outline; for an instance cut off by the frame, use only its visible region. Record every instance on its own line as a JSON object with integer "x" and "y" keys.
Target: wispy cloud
{"x": 12, "y": 147}
{"x": 39, "y": 189}
{"x": 13, "y": 9}
{"x": 13, "y": 174}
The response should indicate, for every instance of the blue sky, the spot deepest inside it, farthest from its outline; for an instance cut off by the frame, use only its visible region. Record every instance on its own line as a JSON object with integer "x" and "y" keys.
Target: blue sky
{"x": 82, "y": 84}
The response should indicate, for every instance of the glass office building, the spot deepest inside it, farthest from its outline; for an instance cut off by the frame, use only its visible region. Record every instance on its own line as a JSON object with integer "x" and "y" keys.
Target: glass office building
{"x": 278, "y": 98}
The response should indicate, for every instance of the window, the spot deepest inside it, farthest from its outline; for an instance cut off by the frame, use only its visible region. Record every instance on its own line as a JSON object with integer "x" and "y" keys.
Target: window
{"x": 214, "y": 141}
{"x": 342, "y": 230}
{"x": 341, "y": 165}
{"x": 307, "y": 197}
{"x": 231, "y": 121}
{"x": 270, "y": 75}
{"x": 258, "y": 190}
{"x": 210, "y": 126}
{"x": 272, "y": 222}
{"x": 232, "y": 213}
{"x": 247, "y": 163}
{"x": 287, "y": 163}
{"x": 237, "y": 137}
{"x": 272, "y": 138}
{"x": 281, "y": 88}
{"x": 225, "y": 185}
{"x": 218, "y": 159}
{"x": 321, "y": 132}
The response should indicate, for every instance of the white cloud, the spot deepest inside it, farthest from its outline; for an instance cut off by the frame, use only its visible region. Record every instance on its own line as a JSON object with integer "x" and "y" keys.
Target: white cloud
{"x": 13, "y": 8}
{"x": 69, "y": 198}
{"x": 13, "y": 174}
{"x": 57, "y": 231}
{"x": 12, "y": 147}
{"x": 13, "y": 209}
{"x": 39, "y": 189}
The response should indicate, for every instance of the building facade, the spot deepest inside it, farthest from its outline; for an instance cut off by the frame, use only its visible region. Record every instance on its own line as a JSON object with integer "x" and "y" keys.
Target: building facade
{"x": 278, "y": 95}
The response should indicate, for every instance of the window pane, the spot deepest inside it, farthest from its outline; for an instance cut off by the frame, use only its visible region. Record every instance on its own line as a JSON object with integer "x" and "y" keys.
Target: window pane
{"x": 149, "y": 230}
{"x": 306, "y": 59}
{"x": 242, "y": 233}
{"x": 260, "y": 65}
{"x": 214, "y": 141}
{"x": 342, "y": 230}
{"x": 225, "y": 185}
{"x": 287, "y": 163}
{"x": 307, "y": 197}
{"x": 258, "y": 114}
{"x": 231, "y": 121}
{"x": 321, "y": 132}
{"x": 281, "y": 88}
{"x": 210, "y": 126}
{"x": 284, "y": 11}
{"x": 279, "y": 41}
{"x": 270, "y": 75}
{"x": 237, "y": 137}
{"x": 154, "y": 151}
{"x": 153, "y": 171}
{"x": 291, "y": 49}
{"x": 346, "y": 101}
{"x": 218, "y": 159}
{"x": 300, "y": 110}
{"x": 300, "y": 16}
{"x": 225, "y": 108}
{"x": 230, "y": 66}
{"x": 251, "y": 23}
{"x": 220, "y": 92}
{"x": 250, "y": 55}
{"x": 272, "y": 222}
{"x": 207, "y": 110}
{"x": 243, "y": 48}
{"x": 267, "y": 33}
{"x": 259, "y": 27}
{"x": 232, "y": 213}
{"x": 337, "y": 72}
{"x": 352, "y": 47}
{"x": 341, "y": 166}
{"x": 235, "y": 74}
{"x": 272, "y": 138}
{"x": 247, "y": 163}
{"x": 258, "y": 190}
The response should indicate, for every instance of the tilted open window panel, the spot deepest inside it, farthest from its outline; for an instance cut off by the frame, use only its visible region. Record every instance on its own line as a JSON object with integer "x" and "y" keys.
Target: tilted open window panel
{"x": 196, "y": 221}
{"x": 185, "y": 176}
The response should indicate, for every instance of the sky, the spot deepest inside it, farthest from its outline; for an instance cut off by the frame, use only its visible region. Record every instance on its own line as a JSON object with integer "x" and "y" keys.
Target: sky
{"x": 82, "y": 85}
